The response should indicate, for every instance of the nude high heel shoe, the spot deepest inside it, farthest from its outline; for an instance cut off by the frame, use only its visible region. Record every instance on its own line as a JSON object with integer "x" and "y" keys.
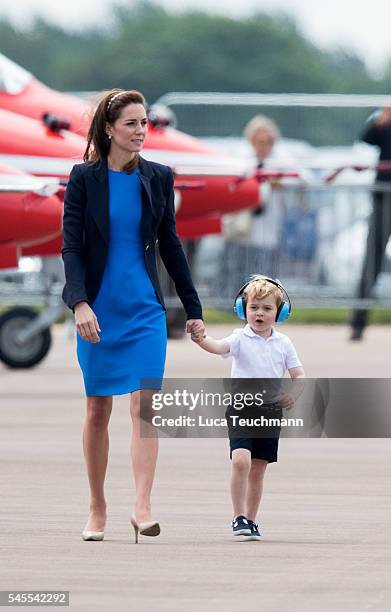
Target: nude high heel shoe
{"x": 96, "y": 536}
{"x": 149, "y": 528}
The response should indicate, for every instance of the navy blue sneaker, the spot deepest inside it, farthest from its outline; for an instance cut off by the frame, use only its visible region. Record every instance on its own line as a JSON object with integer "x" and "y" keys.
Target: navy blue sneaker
{"x": 241, "y": 526}
{"x": 254, "y": 533}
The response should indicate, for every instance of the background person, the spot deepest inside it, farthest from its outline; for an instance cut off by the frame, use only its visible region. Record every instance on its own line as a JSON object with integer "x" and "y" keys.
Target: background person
{"x": 118, "y": 207}
{"x": 376, "y": 132}
{"x": 253, "y": 237}
{"x": 264, "y": 238}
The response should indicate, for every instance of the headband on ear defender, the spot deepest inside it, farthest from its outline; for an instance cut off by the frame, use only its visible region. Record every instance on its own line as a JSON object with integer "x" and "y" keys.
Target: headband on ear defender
{"x": 283, "y": 311}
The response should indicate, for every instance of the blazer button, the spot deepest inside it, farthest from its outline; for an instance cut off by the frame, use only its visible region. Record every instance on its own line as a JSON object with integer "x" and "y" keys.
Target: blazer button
{"x": 146, "y": 247}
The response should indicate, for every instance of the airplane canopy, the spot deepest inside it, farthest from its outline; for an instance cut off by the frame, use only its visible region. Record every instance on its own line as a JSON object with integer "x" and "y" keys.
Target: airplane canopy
{"x": 13, "y": 78}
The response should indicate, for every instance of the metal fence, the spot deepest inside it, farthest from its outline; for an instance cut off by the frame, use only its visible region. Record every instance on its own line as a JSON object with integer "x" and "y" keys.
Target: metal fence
{"x": 314, "y": 238}
{"x": 319, "y": 119}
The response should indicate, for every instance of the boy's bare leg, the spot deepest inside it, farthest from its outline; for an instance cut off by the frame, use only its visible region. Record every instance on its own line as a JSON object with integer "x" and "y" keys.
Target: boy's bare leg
{"x": 241, "y": 466}
{"x": 254, "y": 488}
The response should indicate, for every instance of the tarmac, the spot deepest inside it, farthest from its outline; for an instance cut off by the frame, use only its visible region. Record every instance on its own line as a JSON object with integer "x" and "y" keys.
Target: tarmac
{"x": 325, "y": 514}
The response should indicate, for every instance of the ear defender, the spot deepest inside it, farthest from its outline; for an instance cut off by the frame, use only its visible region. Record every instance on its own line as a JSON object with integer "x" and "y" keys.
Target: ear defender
{"x": 240, "y": 303}
{"x": 240, "y": 307}
{"x": 283, "y": 311}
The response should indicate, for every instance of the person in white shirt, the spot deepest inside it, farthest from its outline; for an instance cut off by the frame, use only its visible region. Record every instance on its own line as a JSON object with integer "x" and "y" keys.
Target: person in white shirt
{"x": 258, "y": 351}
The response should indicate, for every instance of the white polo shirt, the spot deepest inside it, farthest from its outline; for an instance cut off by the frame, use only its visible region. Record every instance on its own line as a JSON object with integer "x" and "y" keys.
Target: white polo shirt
{"x": 257, "y": 357}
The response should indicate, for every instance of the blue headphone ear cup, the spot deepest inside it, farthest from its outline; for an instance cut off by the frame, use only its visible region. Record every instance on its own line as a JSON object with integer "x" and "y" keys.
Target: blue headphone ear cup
{"x": 244, "y": 309}
{"x": 239, "y": 308}
{"x": 283, "y": 312}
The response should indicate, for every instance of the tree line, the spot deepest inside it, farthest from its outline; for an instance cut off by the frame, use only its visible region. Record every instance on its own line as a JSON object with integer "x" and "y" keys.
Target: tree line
{"x": 147, "y": 48}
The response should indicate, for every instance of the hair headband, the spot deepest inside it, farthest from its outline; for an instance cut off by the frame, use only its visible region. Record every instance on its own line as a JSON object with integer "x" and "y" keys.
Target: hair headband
{"x": 113, "y": 98}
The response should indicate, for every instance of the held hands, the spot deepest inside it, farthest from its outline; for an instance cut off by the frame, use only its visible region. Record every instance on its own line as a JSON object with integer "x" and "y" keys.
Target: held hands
{"x": 86, "y": 322}
{"x": 196, "y": 328}
{"x": 198, "y": 337}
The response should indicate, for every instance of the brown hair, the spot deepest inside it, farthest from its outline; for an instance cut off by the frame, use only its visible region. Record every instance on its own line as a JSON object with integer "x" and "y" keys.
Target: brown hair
{"x": 108, "y": 110}
{"x": 260, "y": 287}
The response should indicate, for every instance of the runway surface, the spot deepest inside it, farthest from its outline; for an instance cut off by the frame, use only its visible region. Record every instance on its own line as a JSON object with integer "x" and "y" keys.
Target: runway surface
{"x": 325, "y": 513}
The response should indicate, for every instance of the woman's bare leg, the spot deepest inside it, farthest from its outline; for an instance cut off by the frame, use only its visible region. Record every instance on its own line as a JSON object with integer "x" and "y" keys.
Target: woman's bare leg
{"x": 96, "y": 451}
{"x": 254, "y": 488}
{"x": 241, "y": 465}
{"x": 144, "y": 452}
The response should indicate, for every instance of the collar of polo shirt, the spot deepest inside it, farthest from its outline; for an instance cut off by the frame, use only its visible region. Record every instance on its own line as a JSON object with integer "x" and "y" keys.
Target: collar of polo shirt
{"x": 249, "y": 332}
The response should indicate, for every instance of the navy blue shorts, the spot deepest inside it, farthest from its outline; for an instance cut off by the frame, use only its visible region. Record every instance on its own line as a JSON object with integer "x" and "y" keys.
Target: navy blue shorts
{"x": 260, "y": 448}
{"x": 260, "y": 441}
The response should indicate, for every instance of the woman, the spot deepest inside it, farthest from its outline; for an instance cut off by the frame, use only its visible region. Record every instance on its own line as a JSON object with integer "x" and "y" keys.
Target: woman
{"x": 264, "y": 240}
{"x": 262, "y": 133}
{"x": 254, "y": 237}
{"x": 118, "y": 207}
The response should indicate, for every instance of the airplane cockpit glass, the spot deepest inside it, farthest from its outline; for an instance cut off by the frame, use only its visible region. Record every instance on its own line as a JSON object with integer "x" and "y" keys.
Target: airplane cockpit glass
{"x": 162, "y": 116}
{"x": 13, "y": 78}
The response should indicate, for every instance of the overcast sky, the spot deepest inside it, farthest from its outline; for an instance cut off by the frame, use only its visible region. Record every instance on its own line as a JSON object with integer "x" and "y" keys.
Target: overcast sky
{"x": 363, "y": 26}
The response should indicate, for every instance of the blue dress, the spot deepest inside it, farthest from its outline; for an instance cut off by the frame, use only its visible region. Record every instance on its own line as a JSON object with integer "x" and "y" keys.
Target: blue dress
{"x": 133, "y": 336}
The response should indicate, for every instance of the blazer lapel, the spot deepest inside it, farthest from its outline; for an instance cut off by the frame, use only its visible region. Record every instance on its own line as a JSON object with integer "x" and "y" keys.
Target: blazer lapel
{"x": 146, "y": 174}
{"x": 100, "y": 208}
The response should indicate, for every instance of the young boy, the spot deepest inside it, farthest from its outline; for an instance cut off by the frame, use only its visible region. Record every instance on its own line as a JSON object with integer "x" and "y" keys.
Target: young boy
{"x": 258, "y": 351}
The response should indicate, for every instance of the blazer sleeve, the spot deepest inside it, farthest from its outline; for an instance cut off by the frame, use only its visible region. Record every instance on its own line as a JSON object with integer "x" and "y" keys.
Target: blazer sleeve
{"x": 173, "y": 257}
{"x": 73, "y": 240}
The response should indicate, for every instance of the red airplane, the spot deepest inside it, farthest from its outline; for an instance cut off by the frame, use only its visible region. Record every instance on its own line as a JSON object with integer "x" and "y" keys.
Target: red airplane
{"x": 30, "y": 211}
{"x": 208, "y": 184}
{"x": 21, "y": 93}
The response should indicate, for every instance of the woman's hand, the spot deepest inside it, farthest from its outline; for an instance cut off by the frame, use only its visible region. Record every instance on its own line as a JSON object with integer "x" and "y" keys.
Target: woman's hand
{"x": 86, "y": 322}
{"x": 196, "y": 328}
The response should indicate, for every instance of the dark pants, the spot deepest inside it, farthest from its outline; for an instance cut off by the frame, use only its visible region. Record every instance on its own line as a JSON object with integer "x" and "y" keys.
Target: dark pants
{"x": 379, "y": 231}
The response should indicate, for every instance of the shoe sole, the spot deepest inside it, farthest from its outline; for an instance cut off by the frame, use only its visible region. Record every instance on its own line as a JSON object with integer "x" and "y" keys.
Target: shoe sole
{"x": 251, "y": 539}
{"x": 92, "y": 538}
{"x": 154, "y": 530}
{"x": 244, "y": 532}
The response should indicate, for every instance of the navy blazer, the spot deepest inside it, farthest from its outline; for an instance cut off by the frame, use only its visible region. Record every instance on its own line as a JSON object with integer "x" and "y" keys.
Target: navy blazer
{"x": 86, "y": 230}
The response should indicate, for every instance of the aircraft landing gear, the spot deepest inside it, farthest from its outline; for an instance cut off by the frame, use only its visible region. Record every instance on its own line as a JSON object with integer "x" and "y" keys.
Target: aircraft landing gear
{"x": 18, "y": 349}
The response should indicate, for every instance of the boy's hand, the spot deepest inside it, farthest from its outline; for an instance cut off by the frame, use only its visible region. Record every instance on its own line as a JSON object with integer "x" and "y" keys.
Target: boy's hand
{"x": 198, "y": 336}
{"x": 286, "y": 401}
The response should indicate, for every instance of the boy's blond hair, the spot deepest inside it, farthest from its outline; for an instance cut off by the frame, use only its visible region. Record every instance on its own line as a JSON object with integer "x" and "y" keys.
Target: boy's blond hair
{"x": 259, "y": 287}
